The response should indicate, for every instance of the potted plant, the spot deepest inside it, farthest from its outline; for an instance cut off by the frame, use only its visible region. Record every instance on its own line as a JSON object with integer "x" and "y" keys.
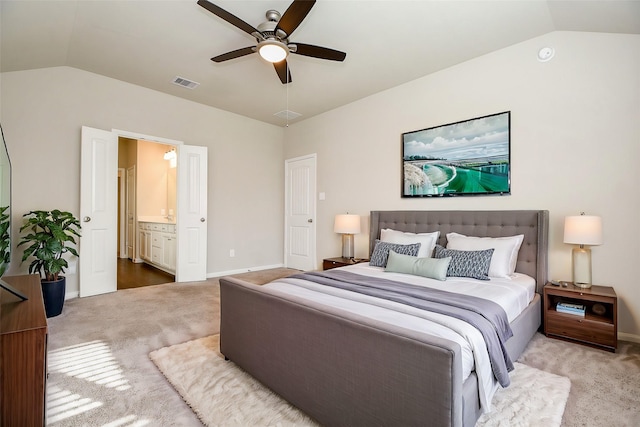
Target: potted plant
{"x": 50, "y": 234}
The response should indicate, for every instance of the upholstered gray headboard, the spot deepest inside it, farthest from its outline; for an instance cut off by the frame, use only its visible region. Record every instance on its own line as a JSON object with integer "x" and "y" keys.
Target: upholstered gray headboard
{"x": 532, "y": 258}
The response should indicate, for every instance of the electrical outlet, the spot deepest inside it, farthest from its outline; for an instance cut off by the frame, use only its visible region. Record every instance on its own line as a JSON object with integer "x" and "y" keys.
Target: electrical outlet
{"x": 232, "y": 253}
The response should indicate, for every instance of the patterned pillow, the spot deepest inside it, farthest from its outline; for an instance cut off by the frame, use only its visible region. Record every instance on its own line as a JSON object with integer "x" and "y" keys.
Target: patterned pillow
{"x": 474, "y": 264}
{"x": 381, "y": 252}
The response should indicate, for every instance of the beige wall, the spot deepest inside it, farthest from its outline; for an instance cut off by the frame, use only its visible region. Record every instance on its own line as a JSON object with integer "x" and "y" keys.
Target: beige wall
{"x": 42, "y": 112}
{"x": 575, "y": 146}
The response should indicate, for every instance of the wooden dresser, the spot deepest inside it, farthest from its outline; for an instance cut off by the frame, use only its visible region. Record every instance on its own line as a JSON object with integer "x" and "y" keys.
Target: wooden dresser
{"x": 23, "y": 354}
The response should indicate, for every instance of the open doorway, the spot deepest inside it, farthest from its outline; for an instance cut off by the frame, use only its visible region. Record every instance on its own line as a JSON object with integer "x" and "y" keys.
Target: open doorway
{"x": 99, "y": 213}
{"x": 146, "y": 213}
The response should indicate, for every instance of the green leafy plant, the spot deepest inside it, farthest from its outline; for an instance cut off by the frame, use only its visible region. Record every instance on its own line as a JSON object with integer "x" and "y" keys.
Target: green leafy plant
{"x": 50, "y": 233}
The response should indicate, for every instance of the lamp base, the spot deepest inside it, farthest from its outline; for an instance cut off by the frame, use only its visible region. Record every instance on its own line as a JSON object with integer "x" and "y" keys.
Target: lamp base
{"x": 581, "y": 267}
{"x": 347, "y": 246}
{"x": 582, "y": 285}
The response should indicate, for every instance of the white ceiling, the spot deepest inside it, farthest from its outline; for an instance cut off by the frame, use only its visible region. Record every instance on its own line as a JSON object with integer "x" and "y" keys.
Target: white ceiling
{"x": 388, "y": 43}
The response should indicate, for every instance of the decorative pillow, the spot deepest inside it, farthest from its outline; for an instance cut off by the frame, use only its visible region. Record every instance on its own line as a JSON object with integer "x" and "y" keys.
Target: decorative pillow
{"x": 474, "y": 264}
{"x": 426, "y": 267}
{"x": 505, "y": 256}
{"x": 427, "y": 240}
{"x": 381, "y": 252}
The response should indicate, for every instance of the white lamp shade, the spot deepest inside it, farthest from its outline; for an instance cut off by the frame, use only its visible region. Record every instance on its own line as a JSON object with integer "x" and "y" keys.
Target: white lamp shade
{"x": 347, "y": 224}
{"x": 583, "y": 230}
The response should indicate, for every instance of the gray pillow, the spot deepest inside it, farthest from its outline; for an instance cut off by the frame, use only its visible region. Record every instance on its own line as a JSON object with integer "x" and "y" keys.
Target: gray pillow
{"x": 474, "y": 264}
{"x": 381, "y": 252}
{"x": 426, "y": 267}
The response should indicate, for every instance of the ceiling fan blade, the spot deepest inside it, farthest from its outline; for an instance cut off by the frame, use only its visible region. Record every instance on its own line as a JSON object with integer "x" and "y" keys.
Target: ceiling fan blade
{"x": 234, "y": 54}
{"x": 318, "y": 52}
{"x": 230, "y": 18}
{"x": 294, "y": 15}
{"x": 283, "y": 71}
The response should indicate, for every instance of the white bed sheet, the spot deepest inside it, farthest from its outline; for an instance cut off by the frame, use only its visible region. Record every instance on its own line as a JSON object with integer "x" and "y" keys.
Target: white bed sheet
{"x": 513, "y": 295}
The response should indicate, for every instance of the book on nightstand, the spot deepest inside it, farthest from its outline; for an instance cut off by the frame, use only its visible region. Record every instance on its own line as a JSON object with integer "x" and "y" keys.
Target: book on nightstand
{"x": 570, "y": 308}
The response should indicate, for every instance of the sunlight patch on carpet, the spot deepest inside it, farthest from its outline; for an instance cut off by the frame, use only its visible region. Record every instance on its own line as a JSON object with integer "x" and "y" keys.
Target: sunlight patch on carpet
{"x": 91, "y": 361}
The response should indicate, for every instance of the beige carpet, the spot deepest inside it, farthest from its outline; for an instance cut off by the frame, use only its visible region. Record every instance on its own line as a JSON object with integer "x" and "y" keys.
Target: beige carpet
{"x": 221, "y": 394}
{"x": 124, "y": 388}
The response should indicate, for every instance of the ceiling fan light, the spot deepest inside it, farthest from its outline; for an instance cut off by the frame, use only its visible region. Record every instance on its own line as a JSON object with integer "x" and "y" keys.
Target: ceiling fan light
{"x": 273, "y": 51}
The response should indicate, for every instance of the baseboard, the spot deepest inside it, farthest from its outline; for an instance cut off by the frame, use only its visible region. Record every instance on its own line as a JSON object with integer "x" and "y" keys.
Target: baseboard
{"x": 71, "y": 295}
{"x": 243, "y": 270}
{"x": 623, "y": 336}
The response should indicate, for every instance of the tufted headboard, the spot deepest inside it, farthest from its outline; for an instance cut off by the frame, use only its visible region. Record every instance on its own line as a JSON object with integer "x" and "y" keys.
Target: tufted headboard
{"x": 532, "y": 258}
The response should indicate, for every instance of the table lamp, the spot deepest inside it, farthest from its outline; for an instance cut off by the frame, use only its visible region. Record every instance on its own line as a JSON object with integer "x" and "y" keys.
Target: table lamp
{"x": 347, "y": 225}
{"x": 582, "y": 230}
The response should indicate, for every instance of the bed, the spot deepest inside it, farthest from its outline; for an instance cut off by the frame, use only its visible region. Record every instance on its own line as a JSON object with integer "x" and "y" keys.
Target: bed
{"x": 345, "y": 368}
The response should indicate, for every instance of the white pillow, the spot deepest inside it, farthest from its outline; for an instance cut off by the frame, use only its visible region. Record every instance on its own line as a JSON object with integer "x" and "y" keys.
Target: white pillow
{"x": 505, "y": 254}
{"x": 427, "y": 240}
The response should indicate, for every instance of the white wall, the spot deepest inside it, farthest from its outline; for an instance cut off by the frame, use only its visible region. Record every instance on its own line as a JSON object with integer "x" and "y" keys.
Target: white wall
{"x": 42, "y": 112}
{"x": 575, "y": 146}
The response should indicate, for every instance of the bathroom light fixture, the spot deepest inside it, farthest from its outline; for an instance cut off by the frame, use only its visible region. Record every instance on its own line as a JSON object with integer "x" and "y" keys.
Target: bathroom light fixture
{"x": 171, "y": 154}
{"x": 582, "y": 230}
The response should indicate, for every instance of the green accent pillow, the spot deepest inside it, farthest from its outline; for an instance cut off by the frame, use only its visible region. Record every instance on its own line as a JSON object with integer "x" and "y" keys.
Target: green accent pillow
{"x": 428, "y": 267}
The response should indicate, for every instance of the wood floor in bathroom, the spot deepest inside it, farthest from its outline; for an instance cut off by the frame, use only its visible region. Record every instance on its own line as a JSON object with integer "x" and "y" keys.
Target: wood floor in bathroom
{"x": 135, "y": 275}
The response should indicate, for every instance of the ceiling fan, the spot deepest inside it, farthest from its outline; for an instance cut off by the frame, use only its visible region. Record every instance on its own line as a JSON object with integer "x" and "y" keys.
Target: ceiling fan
{"x": 272, "y": 37}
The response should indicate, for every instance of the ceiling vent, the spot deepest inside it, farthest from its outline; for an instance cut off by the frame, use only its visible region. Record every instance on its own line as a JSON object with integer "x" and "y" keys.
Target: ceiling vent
{"x": 287, "y": 114}
{"x": 181, "y": 81}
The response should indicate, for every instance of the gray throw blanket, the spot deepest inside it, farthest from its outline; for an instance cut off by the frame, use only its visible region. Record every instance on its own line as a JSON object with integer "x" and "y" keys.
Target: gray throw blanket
{"x": 486, "y": 316}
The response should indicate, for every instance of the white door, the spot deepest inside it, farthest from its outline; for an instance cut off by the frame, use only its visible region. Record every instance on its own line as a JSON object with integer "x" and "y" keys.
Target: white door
{"x": 192, "y": 214}
{"x": 300, "y": 213}
{"x": 131, "y": 210}
{"x": 98, "y": 212}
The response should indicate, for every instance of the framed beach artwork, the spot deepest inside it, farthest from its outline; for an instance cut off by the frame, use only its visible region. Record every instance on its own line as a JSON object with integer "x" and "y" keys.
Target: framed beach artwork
{"x": 466, "y": 158}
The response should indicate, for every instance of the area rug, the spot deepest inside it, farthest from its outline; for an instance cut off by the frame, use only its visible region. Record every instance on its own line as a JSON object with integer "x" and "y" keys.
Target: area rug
{"x": 221, "y": 394}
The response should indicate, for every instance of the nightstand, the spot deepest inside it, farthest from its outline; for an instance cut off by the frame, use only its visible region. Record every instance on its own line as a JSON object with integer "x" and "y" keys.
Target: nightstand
{"x": 329, "y": 263}
{"x": 599, "y": 326}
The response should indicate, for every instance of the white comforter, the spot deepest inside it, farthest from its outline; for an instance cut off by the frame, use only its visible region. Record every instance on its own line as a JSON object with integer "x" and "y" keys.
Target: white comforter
{"x": 513, "y": 295}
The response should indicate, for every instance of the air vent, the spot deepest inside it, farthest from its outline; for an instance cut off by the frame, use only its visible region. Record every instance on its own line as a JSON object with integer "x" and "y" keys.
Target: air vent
{"x": 287, "y": 114}
{"x": 181, "y": 81}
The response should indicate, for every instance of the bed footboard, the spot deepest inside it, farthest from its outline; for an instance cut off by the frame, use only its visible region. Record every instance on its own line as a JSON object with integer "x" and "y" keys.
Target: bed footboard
{"x": 337, "y": 367}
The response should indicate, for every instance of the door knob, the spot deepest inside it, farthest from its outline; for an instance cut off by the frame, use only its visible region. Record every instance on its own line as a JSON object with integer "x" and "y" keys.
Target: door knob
{"x": 310, "y": 220}
{"x": 201, "y": 219}
{"x": 87, "y": 219}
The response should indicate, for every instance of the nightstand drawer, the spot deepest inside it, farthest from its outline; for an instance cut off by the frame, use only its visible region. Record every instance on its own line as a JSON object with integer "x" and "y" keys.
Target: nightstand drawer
{"x": 582, "y": 329}
{"x": 327, "y": 265}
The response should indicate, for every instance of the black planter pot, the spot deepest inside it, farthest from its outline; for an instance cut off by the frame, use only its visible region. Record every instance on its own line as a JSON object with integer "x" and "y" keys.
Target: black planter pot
{"x": 53, "y": 293}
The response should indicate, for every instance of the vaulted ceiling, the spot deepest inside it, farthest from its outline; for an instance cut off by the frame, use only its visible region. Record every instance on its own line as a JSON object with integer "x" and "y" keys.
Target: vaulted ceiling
{"x": 388, "y": 43}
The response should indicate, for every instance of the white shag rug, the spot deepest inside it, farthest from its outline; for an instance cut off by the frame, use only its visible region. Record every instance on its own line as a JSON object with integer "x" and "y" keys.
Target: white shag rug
{"x": 221, "y": 394}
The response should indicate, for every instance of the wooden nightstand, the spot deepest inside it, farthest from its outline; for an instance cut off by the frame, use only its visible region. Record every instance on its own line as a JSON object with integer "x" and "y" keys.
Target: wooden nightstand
{"x": 329, "y": 263}
{"x": 599, "y": 326}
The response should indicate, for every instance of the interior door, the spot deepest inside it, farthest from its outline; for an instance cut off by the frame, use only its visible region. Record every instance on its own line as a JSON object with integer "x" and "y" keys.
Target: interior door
{"x": 98, "y": 212}
{"x": 300, "y": 213}
{"x": 192, "y": 214}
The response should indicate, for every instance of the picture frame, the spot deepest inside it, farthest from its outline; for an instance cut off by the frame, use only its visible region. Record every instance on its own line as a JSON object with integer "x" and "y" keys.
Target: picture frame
{"x": 466, "y": 158}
